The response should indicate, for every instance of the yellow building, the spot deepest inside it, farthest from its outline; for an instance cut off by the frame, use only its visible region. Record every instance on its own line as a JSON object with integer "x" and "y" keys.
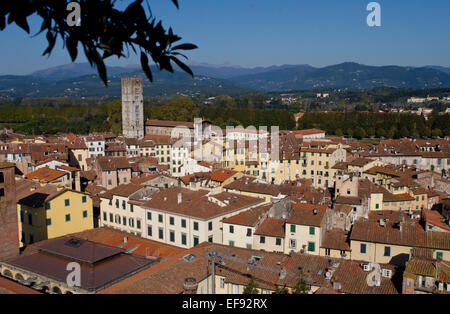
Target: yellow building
{"x": 46, "y": 212}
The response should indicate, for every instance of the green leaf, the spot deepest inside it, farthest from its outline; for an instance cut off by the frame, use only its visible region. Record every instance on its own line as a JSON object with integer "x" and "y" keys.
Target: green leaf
{"x": 145, "y": 66}
{"x": 51, "y": 39}
{"x": 183, "y": 66}
{"x": 185, "y": 47}
{"x": 72, "y": 44}
{"x": 22, "y": 23}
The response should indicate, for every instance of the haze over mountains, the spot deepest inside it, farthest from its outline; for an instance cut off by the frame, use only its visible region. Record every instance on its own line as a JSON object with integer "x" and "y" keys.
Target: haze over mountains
{"x": 80, "y": 80}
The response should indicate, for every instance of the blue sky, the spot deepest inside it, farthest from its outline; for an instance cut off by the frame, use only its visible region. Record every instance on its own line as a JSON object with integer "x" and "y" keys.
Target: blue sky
{"x": 273, "y": 32}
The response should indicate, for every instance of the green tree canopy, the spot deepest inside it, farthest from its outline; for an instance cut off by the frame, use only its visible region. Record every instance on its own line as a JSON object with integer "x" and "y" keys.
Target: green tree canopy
{"x": 251, "y": 288}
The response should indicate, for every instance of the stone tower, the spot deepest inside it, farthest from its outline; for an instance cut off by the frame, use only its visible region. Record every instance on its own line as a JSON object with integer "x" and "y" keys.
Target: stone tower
{"x": 132, "y": 108}
{"x": 9, "y": 237}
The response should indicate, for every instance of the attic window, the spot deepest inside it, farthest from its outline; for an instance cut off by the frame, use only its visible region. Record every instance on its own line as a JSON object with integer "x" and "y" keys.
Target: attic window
{"x": 256, "y": 258}
{"x": 189, "y": 257}
{"x": 74, "y": 242}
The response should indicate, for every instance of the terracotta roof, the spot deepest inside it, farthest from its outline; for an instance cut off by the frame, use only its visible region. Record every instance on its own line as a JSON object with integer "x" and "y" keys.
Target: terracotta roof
{"x": 249, "y": 217}
{"x": 222, "y": 175}
{"x": 336, "y": 239}
{"x": 412, "y": 234}
{"x": 11, "y": 287}
{"x": 271, "y": 227}
{"x": 308, "y": 132}
{"x": 89, "y": 175}
{"x": 124, "y": 190}
{"x": 67, "y": 168}
{"x": 4, "y": 165}
{"x": 249, "y": 184}
{"x": 171, "y": 124}
{"x": 198, "y": 204}
{"x": 350, "y": 200}
{"x": 303, "y": 214}
{"x": 112, "y": 163}
{"x": 113, "y": 237}
{"x": 352, "y": 278}
{"x": 46, "y": 174}
{"x": 100, "y": 264}
{"x": 434, "y": 218}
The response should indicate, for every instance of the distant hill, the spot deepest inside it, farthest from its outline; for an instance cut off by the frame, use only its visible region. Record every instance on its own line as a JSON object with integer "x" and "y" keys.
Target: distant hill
{"x": 439, "y": 68}
{"x": 164, "y": 84}
{"x": 79, "y": 69}
{"x": 345, "y": 75}
{"x": 80, "y": 80}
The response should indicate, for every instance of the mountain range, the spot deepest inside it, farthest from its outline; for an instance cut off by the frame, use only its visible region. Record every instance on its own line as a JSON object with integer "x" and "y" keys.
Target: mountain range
{"x": 80, "y": 80}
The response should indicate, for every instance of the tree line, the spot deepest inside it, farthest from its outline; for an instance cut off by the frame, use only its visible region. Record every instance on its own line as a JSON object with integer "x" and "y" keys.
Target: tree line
{"x": 380, "y": 125}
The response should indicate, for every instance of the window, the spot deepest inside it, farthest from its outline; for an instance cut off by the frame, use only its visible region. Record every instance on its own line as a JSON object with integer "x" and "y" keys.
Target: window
{"x": 138, "y": 224}
{"x": 47, "y": 206}
{"x": 292, "y": 244}
{"x": 439, "y": 255}
{"x": 48, "y": 221}
{"x": 231, "y": 229}
{"x": 104, "y": 216}
{"x": 171, "y": 221}
{"x": 160, "y": 218}
{"x": 83, "y": 199}
{"x": 85, "y": 213}
{"x": 161, "y": 233}
{"x": 377, "y": 206}
{"x": 262, "y": 239}
{"x": 235, "y": 289}
{"x": 327, "y": 252}
{"x": 67, "y": 202}
{"x": 222, "y": 283}
{"x": 363, "y": 248}
{"x": 210, "y": 239}
{"x": 183, "y": 223}
{"x": 149, "y": 231}
{"x": 195, "y": 241}
{"x": 183, "y": 238}
{"x": 131, "y": 208}
{"x": 110, "y": 217}
{"x": 149, "y": 215}
{"x": 131, "y": 222}
{"x": 387, "y": 251}
{"x": 312, "y": 230}
{"x": 195, "y": 225}
{"x": 293, "y": 228}
{"x": 231, "y": 243}
{"x": 68, "y": 217}
{"x": 278, "y": 241}
{"x": 249, "y": 232}
{"x": 311, "y": 246}
{"x": 172, "y": 236}
{"x": 210, "y": 225}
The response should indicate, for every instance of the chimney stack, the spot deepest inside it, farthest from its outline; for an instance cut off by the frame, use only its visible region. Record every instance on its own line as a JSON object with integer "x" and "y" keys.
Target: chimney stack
{"x": 190, "y": 286}
{"x": 180, "y": 198}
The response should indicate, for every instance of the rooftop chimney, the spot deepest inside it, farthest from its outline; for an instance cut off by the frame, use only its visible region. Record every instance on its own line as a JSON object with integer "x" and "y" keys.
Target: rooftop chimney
{"x": 180, "y": 198}
{"x": 190, "y": 286}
